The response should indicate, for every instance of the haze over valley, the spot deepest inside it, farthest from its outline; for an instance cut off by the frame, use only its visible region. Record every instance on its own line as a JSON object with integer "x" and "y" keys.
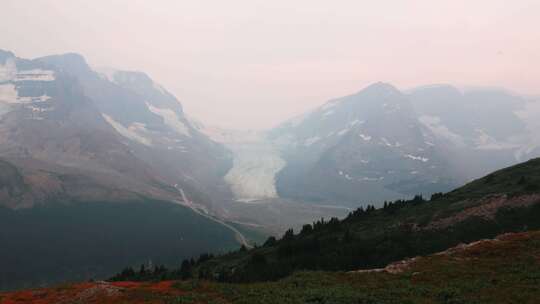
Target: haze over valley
{"x": 247, "y": 152}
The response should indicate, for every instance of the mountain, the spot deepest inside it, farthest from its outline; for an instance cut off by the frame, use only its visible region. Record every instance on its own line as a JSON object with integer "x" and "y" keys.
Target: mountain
{"x": 58, "y": 138}
{"x": 361, "y": 148}
{"x": 382, "y": 143}
{"x": 91, "y": 166}
{"x": 479, "y": 272}
{"x": 95, "y": 163}
{"x": 152, "y": 123}
{"x": 504, "y": 201}
{"x": 485, "y": 128}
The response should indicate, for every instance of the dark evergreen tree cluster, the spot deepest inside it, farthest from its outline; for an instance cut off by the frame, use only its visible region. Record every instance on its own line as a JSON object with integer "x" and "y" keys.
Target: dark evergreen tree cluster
{"x": 335, "y": 245}
{"x": 364, "y": 239}
{"x": 157, "y": 273}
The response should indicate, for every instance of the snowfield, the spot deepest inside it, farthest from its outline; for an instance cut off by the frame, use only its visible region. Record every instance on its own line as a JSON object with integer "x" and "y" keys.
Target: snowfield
{"x": 255, "y": 165}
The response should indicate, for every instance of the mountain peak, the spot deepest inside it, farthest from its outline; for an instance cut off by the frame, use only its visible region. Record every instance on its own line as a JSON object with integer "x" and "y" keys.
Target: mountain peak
{"x": 72, "y": 62}
{"x": 4, "y": 55}
{"x": 133, "y": 77}
{"x": 381, "y": 87}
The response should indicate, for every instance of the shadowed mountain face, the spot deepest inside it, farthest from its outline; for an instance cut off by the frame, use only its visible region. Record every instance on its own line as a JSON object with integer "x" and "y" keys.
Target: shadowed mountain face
{"x": 78, "y": 241}
{"x": 92, "y": 171}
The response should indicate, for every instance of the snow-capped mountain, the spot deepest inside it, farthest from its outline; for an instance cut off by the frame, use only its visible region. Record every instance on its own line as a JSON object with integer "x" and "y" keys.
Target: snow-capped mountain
{"x": 360, "y": 148}
{"x": 121, "y": 129}
{"x": 119, "y": 133}
{"x": 486, "y": 128}
{"x": 381, "y": 143}
{"x": 56, "y": 135}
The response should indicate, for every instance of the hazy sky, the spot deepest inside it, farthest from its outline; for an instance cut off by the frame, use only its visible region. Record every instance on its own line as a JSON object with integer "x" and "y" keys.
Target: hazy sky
{"x": 252, "y": 63}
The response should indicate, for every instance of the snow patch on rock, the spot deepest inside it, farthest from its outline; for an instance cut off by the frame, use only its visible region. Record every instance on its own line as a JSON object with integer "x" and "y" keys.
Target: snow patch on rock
{"x": 310, "y": 141}
{"x": 130, "y": 132}
{"x": 171, "y": 119}
{"x": 365, "y": 137}
{"x": 329, "y": 105}
{"x": 486, "y": 142}
{"x": 420, "y": 158}
{"x": 342, "y": 132}
{"x": 433, "y": 123}
{"x": 328, "y": 113}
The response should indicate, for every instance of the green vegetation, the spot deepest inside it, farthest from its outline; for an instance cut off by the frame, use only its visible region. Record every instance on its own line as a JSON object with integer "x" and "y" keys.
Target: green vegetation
{"x": 370, "y": 237}
{"x": 311, "y": 266}
{"x": 485, "y": 274}
{"x": 481, "y": 274}
{"x": 505, "y": 270}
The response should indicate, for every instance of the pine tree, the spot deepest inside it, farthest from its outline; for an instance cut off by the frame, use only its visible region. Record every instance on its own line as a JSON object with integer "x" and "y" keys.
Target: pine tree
{"x": 289, "y": 235}
{"x": 142, "y": 270}
{"x": 306, "y": 229}
{"x": 185, "y": 270}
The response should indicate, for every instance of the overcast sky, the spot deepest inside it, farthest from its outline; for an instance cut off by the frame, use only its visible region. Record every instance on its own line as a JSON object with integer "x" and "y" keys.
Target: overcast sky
{"x": 253, "y": 63}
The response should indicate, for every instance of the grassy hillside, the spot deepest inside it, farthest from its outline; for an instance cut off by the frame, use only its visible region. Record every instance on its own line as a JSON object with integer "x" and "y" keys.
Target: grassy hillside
{"x": 504, "y": 201}
{"x": 477, "y": 273}
{"x": 78, "y": 241}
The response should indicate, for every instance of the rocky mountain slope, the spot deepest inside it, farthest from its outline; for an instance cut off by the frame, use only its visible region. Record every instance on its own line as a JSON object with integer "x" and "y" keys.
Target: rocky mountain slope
{"x": 152, "y": 123}
{"x": 120, "y": 131}
{"x": 57, "y": 138}
{"x": 381, "y": 143}
{"x": 485, "y": 128}
{"x": 362, "y": 148}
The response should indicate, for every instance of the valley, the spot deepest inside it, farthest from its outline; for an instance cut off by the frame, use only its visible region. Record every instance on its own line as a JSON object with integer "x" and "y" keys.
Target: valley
{"x": 84, "y": 144}
{"x": 272, "y": 152}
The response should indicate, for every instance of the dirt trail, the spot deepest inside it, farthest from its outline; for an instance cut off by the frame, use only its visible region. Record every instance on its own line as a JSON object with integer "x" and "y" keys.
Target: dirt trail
{"x": 187, "y": 202}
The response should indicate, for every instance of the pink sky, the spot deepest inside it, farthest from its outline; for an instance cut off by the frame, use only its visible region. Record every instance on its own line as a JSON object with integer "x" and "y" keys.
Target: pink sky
{"x": 253, "y": 63}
